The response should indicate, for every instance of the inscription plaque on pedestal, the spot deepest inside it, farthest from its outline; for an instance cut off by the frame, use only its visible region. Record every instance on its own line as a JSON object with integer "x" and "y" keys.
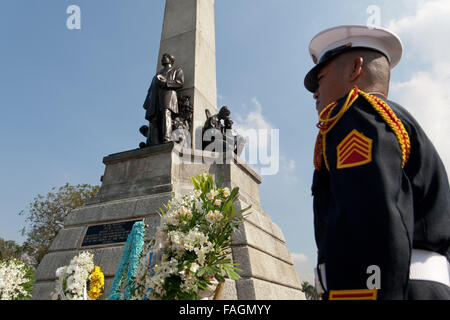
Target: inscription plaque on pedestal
{"x": 107, "y": 234}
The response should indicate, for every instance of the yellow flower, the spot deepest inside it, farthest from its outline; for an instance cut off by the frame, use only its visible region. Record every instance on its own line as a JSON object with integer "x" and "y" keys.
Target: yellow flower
{"x": 96, "y": 284}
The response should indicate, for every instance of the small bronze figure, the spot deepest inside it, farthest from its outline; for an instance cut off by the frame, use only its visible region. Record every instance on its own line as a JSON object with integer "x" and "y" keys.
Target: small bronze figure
{"x": 214, "y": 125}
{"x": 214, "y": 122}
{"x": 162, "y": 102}
{"x": 221, "y": 125}
{"x": 182, "y": 122}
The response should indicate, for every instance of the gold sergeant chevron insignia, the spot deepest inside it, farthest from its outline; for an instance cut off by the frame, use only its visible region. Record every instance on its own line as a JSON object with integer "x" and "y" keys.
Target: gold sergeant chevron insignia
{"x": 355, "y": 150}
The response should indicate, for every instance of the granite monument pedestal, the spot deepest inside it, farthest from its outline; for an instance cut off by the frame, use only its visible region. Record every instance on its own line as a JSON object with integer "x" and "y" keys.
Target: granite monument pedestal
{"x": 137, "y": 183}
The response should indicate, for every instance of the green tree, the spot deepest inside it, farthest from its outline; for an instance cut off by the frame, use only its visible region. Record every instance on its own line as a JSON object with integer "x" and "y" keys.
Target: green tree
{"x": 310, "y": 291}
{"x": 45, "y": 217}
{"x": 10, "y": 250}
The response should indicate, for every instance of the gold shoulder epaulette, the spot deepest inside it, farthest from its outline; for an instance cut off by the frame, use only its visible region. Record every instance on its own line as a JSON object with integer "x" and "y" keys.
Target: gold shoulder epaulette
{"x": 394, "y": 123}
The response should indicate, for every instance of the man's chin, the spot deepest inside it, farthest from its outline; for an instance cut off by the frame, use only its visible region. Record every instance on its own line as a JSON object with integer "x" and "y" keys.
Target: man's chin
{"x": 319, "y": 108}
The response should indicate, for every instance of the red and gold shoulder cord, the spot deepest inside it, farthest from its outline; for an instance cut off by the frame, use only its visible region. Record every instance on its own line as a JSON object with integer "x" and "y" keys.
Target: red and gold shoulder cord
{"x": 326, "y": 123}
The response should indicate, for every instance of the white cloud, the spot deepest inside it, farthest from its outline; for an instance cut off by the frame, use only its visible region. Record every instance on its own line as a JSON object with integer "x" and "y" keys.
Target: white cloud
{"x": 291, "y": 165}
{"x": 254, "y": 119}
{"x": 426, "y": 30}
{"x": 263, "y": 145}
{"x": 299, "y": 258}
{"x": 427, "y": 93}
{"x": 304, "y": 267}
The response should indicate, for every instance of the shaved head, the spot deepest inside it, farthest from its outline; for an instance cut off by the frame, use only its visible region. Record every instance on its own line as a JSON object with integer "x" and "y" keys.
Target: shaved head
{"x": 375, "y": 74}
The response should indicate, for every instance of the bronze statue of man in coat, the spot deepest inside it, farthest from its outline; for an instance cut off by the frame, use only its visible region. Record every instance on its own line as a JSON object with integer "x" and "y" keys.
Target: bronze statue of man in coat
{"x": 162, "y": 101}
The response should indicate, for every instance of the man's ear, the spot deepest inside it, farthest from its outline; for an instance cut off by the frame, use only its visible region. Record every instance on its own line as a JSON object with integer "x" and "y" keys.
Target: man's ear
{"x": 357, "y": 67}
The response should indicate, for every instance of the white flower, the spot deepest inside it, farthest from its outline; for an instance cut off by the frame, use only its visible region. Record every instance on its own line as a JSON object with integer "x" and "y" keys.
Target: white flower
{"x": 201, "y": 255}
{"x": 210, "y": 217}
{"x": 189, "y": 246}
{"x": 197, "y": 193}
{"x": 185, "y": 212}
{"x": 172, "y": 219}
{"x": 212, "y": 194}
{"x": 217, "y": 202}
{"x": 60, "y": 271}
{"x": 226, "y": 192}
{"x": 218, "y": 215}
{"x": 194, "y": 267}
{"x": 198, "y": 205}
{"x": 70, "y": 269}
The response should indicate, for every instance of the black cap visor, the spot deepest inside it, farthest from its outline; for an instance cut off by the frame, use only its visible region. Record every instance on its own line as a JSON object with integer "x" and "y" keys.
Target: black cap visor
{"x": 311, "y": 83}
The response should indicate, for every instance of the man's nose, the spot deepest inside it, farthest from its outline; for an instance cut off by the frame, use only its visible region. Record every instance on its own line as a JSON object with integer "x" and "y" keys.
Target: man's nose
{"x": 316, "y": 94}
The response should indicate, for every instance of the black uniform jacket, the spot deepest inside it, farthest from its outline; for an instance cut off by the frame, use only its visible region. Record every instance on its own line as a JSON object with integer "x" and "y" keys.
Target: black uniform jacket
{"x": 376, "y": 212}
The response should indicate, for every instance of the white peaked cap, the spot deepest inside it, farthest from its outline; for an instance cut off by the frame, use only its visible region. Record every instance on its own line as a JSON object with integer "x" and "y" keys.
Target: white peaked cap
{"x": 332, "y": 42}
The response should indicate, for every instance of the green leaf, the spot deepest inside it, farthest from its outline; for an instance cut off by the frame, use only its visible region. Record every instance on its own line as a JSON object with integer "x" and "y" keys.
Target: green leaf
{"x": 201, "y": 271}
{"x": 241, "y": 212}
{"x": 202, "y": 285}
{"x": 226, "y": 208}
{"x": 231, "y": 273}
{"x": 220, "y": 278}
{"x": 195, "y": 183}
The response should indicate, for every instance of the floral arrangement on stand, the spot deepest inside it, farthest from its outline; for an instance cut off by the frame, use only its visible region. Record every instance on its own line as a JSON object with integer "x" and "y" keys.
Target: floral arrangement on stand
{"x": 80, "y": 280}
{"x": 16, "y": 280}
{"x": 189, "y": 258}
{"x": 124, "y": 279}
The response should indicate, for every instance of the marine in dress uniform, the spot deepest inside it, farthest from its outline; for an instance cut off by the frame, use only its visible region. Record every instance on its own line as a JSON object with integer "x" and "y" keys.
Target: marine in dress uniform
{"x": 381, "y": 192}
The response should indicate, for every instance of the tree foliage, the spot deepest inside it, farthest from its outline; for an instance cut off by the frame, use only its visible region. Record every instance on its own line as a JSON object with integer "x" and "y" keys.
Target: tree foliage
{"x": 310, "y": 291}
{"x": 46, "y": 214}
{"x": 10, "y": 250}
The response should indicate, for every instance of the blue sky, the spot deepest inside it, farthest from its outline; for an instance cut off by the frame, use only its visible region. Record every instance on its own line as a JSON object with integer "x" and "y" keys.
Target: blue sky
{"x": 70, "y": 97}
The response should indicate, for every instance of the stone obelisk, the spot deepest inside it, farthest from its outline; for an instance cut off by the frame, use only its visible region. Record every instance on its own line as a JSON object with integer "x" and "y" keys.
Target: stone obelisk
{"x": 137, "y": 183}
{"x": 188, "y": 33}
